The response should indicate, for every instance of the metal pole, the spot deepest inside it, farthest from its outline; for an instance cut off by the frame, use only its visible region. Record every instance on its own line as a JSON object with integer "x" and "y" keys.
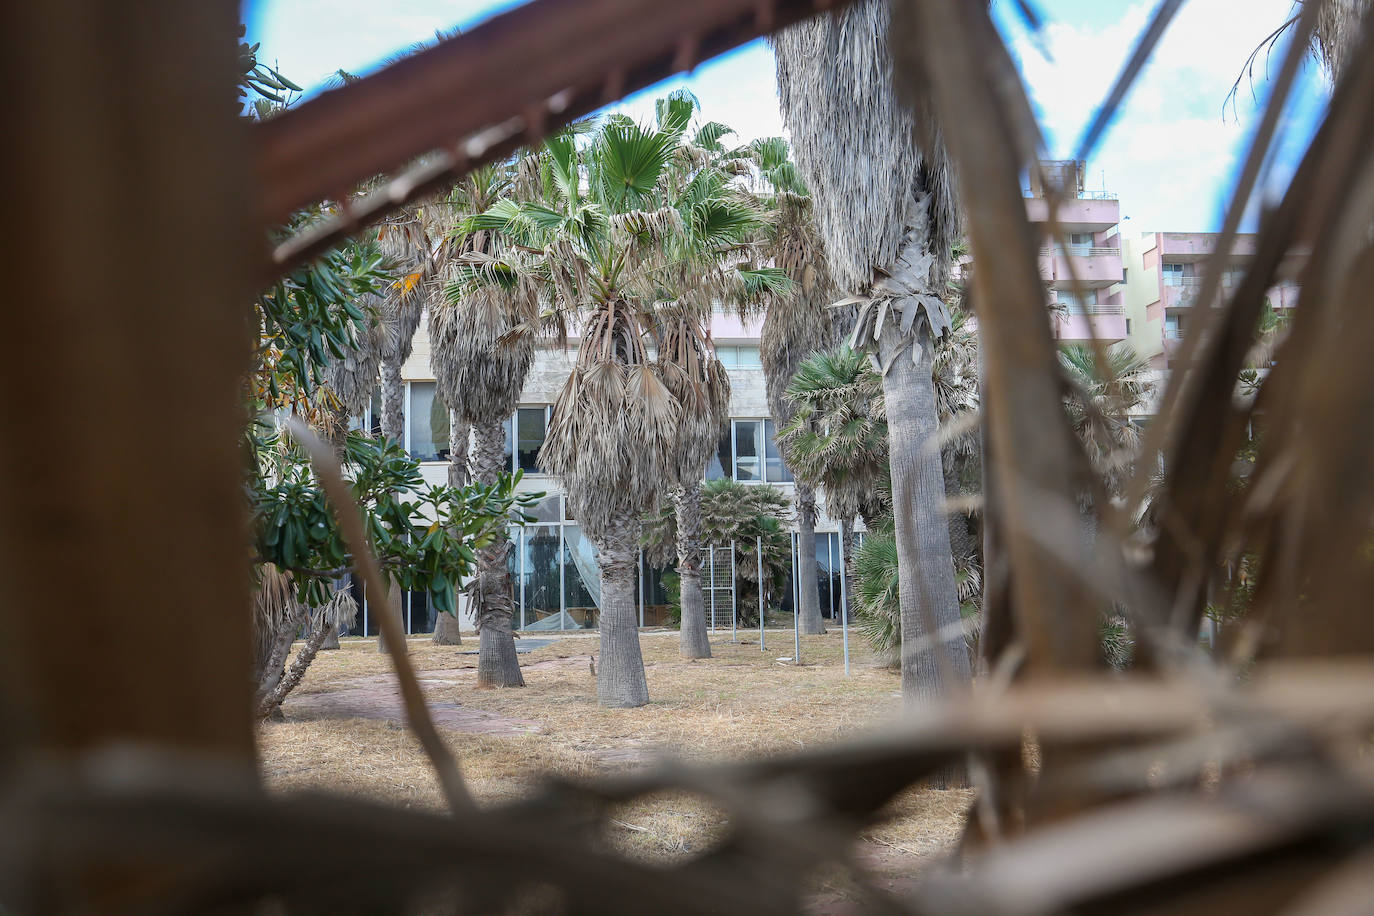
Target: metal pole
{"x": 734, "y": 597}
{"x": 758, "y": 544}
{"x": 844, "y": 604}
{"x": 712, "y": 567}
{"x": 796, "y": 600}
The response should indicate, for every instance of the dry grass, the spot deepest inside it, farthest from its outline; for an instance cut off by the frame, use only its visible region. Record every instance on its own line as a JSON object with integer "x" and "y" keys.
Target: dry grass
{"x": 740, "y": 704}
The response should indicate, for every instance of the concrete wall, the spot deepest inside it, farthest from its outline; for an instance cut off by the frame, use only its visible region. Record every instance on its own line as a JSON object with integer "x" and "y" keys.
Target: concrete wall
{"x": 1141, "y": 296}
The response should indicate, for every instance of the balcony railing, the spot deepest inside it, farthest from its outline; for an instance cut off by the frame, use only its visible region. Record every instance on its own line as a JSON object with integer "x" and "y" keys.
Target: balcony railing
{"x": 1094, "y": 309}
{"x": 1082, "y": 251}
{"x": 1183, "y": 281}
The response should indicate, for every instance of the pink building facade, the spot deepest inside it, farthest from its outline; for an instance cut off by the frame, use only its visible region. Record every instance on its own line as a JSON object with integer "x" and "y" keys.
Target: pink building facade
{"x": 1164, "y": 278}
{"x": 1083, "y": 271}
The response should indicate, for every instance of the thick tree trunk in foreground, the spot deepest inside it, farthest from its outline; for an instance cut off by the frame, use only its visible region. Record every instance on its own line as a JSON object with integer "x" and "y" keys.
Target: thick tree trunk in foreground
{"x": 448, "y": 630}
{"x": 136, "y": 526}
{"x": 693, "y": 639}
{"x": 493, "y": 600}
{"x": 620, "y": 678}
{"x": 809, "y": 603}
{"x": 934, "y": 660}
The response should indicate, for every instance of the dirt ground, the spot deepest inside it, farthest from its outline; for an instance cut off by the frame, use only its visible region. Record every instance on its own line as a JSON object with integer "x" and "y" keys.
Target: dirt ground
{"x": 344, "y": 731}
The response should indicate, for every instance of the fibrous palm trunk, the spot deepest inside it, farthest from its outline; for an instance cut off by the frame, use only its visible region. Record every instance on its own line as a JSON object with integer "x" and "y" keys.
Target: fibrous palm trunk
{"x": 492, "y": 597}
{"x": 693, "y": 641}
{"x": 448, "y": 628}
{"x": 620, "y": 680}
{"x": 393, "y": 428}
{"x": 809, "y": 602}
{"x": 934, "y": 660}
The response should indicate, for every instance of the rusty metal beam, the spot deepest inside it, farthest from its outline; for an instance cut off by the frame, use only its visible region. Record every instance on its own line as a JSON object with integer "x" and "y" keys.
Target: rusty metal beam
{"x": 475, "y": 97}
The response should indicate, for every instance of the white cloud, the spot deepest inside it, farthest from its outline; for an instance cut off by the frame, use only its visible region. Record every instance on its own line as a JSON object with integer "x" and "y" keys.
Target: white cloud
{"x": 1171, "y": 151}
{"x": 739, "y": 90}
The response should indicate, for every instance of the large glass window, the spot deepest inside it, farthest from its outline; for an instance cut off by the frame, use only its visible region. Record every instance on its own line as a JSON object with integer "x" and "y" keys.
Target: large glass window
{"x": 775, "y": 470}
{"x": 531, "y": 425}
{"x": 742, "y": 356}
{"x": 581, "y": 580}
{"x": 370, "y": 420}
{"x": 721, "y": 462}
{"x": 427, "y": 423}
{"x": 540, "y": 577}
{"x": 747, "y": 451}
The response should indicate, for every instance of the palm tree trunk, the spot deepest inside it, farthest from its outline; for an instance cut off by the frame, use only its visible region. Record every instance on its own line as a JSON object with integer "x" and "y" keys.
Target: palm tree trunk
{"x": 809, "y": 604}
{"x": 497, "y": 663}
{"x": 693, "y": 641}
{"x": 620, "y": 680}
{"x": 934, "y": 660}
{"x": 457, "y": 450}
{"x": 448, "y": 628}
{"x": 393, "y": 428}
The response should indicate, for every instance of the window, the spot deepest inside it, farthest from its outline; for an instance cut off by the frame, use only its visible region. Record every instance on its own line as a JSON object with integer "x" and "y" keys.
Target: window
{"x": 370, "y": 420}
{"x": 1123, "y": 276}
{"x": 722, "y": 460}
{"x": 774, "y": 470}
{"x": 1080, "y": 243}
{"x": 747, "y": 451}
{"x": 1128, "y": 326}
{"x": 531, "y": 426}
{"x": 1173, "y": 274}
{"x": 1173, "y": 326}
{"x": 525, "y": 433}
{"x": 1074, "y": 304}
{"x": 426, "y": 424}
{"x": 742, "y": 356}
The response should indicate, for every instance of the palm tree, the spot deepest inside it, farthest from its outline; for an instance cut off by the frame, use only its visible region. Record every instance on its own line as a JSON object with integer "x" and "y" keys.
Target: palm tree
{"x": 1100, "y": 407}
{"x": 697, "y": 379}
{"x": 797, "y": 323}
{"x": 750, "y": 517}
{"x": 885, "y": 209}
{"x": 481, "y": 352}
{"x": 620, "y": 250}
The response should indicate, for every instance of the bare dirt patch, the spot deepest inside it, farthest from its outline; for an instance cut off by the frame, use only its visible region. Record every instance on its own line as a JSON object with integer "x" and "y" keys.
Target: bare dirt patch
{"x": 345, "y": 733}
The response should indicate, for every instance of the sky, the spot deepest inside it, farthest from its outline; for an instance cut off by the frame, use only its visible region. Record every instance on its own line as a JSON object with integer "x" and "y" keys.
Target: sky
{"x": 1170, "y": 156}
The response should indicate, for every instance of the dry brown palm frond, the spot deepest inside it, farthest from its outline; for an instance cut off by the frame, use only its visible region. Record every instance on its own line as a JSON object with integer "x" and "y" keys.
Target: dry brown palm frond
{"x": 479, "y": 365}
{"x": 614, "y": 423}
{"x": 353, "y": 379}
{"x": 861, "y": 211}
{"x": 691, "y": 372}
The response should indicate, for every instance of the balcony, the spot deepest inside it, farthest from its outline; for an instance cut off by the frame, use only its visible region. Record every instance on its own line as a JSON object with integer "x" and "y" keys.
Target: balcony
{"x": 1081, "y": 323}
{"x": 1197, "y": 246}
{"x": 1181, "y": 292}
{"x": 1079, "y": 214}
{"x": 1094, "y": 267}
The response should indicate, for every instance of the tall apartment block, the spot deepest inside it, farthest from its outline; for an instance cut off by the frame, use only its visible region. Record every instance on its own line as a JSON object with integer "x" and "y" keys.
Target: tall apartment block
{"x": 1083, "y": 272}
{"x": 1164, "y": 277}
{"x": 1137, "y": 288}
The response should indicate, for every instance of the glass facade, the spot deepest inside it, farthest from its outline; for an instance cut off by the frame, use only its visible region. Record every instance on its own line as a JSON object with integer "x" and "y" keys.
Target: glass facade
{"x": 748, "y": 451}
{"x": 531, "y": 425}
{"x": 426, "y": 424}
{"x": 416, "y": 614}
